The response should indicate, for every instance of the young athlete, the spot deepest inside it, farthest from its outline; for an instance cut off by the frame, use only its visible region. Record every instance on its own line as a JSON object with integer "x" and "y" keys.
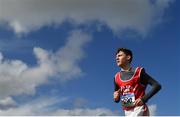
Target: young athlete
{"x": 130, "y": 85}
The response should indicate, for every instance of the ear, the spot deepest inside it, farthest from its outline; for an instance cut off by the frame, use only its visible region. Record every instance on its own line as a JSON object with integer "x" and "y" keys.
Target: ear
{"x": 128, "y": 57}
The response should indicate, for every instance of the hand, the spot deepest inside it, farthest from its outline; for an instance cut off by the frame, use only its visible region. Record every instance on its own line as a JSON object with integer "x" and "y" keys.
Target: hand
{"x": 117, "y": 95}
{"x": 138, "y": 102}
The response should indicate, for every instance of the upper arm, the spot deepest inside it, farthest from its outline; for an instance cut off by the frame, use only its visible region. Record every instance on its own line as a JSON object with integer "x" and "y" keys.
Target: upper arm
{"x": 116, "y": 87}
{"x": 147, "y": 79}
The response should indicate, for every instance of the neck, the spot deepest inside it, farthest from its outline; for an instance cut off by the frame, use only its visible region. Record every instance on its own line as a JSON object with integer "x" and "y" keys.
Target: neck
{"x": 126, "y": 67}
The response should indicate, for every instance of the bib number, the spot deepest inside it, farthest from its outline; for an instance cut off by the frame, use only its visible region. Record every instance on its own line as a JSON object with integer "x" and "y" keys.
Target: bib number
{"x": 128, "y": 100}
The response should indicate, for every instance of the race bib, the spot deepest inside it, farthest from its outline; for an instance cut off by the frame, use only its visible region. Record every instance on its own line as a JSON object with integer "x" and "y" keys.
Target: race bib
{"x": 128, "y": 99}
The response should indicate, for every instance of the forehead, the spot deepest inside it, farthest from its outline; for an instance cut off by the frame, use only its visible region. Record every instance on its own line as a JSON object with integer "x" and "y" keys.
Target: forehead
{"x": 120, "y": 53}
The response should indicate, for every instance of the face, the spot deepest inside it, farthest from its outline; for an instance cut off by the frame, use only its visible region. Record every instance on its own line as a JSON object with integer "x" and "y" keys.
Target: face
{"x": 122, "y": 59}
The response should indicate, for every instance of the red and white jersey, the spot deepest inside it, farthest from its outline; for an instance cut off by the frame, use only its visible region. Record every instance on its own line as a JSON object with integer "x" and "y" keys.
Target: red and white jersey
{"x": 131, "y": 89}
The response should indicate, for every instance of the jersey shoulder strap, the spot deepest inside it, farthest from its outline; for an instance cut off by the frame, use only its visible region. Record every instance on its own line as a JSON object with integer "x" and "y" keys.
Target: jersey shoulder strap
{"x": 138, "y": 72}
{"x": 117, "y": 76}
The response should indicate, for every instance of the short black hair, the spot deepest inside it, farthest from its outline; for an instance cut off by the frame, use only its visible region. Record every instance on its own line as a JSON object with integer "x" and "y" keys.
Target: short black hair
{"x": 126, "y": 51}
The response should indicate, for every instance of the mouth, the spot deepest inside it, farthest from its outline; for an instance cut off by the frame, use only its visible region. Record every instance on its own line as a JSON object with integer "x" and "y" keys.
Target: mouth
{"x": 117, "y": 61}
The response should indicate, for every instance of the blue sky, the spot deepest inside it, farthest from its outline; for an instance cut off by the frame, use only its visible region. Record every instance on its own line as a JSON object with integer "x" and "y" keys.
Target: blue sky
{"x": 58, "y": 57}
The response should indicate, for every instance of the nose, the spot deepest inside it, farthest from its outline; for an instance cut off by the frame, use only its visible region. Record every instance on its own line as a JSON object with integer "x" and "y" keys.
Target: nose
{"x": 117, "y": 58}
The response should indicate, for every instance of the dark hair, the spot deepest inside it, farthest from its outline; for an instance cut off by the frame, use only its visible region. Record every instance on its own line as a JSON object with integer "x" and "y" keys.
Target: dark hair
{"x": 126, "y": 51}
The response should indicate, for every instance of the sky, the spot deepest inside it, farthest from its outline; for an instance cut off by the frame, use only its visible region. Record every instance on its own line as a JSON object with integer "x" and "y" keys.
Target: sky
{"x": 57, "y": 57}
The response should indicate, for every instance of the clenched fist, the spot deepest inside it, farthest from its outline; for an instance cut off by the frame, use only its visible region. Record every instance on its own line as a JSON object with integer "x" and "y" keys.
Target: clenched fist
{"x": 117, "y": 95}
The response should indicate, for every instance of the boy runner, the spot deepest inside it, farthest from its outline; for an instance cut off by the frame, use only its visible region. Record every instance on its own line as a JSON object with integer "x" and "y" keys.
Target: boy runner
{"x": 130, "y": 85}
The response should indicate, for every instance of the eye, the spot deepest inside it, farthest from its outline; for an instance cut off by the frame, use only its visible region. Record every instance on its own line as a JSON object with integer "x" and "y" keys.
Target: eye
{"x": 119, "y": 55}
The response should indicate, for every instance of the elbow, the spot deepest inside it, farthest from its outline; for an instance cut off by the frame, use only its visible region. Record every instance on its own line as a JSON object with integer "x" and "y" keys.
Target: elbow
{"x": 116, "y": 101}
{"x": 159, "y": 87}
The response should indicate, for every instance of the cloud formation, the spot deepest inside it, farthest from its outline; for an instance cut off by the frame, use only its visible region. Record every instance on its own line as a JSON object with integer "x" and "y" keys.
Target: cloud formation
{"x": 153, "y": 109}
{"x": 7, "y": 103}
{"x": 43, "y": 106}
{"x": 16, "y": 77}
{"x": 85, "y": 112}
{"x": 35, "y": 107}
{"x": 27, "y": 15}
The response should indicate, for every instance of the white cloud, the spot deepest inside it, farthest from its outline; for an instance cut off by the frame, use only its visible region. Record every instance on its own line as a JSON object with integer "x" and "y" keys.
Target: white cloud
{"x": 7, "y": 103}
{"x": 38, "y": 106}
{"x": 16, "y": 77}
{"x": 27, "y": 15}
{"x": 85, "y": 112}
{"x": 44, "y": 106}
{"x": 153, "y": 109}
{"x": 80, "y": 102}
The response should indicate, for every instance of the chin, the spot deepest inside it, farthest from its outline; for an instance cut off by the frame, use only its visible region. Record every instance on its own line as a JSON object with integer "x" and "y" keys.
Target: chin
{"x": 118, "y": 64}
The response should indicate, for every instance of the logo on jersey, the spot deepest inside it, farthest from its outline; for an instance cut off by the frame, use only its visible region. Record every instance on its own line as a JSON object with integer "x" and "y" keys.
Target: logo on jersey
{"x": 127, "y": 97}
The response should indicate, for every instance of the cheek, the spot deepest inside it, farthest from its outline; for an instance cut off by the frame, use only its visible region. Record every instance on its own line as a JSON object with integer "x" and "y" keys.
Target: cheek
{"x": 121, "y": 59}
